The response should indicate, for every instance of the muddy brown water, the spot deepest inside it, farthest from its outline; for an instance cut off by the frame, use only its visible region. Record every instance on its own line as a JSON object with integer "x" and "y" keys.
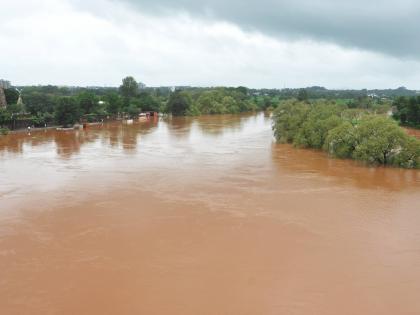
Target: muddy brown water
{"x": 201, "y": 216}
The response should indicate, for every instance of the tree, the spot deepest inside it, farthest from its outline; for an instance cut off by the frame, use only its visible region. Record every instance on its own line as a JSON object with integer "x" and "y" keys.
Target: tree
{"x": 409, "y": 156}
{"x": 321, "y": 118}
{"x": 88, "y": 102}
{"x": 129, "y": 87}
{"x": 342, "y": 140}
{"x": 5, "y": 117}
{"x": 67, "y": 111}
{"x": 113, "y": 103}
{"x": 379, "y": 140}
{"x": 230, "y": 104}
{"x": 134, "y": 108}
{"x": 408, "y": 111}
{"x": 37, "y": 102}
{"x": 12, "y": 96}
{"x": 242, "y": 90}
{"x": 179, "y": 103}
{"x": 148, "y": 102}
{"x": 288, "y": 120}
{"x": 302, "y": 95}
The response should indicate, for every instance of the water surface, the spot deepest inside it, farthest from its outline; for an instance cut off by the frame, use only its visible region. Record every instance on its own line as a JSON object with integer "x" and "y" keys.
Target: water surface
{"x": 201, "y": 216}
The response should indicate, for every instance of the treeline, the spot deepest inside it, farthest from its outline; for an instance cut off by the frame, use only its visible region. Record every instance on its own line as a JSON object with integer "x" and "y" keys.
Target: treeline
{"x": 407, "y": 111}
{"x": 214, "y": 101}
{"x": 346, "y": 133}
{"x": 319, "y": 92}
{"x": 46, "y": 105}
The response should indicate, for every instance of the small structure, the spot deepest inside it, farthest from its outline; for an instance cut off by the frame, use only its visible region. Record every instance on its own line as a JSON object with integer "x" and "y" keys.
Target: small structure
{"x": 147, "y": 115}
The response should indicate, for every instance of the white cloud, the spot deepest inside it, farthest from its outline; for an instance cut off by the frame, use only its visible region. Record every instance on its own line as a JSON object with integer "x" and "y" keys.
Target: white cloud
{"x": 58, "y": 42}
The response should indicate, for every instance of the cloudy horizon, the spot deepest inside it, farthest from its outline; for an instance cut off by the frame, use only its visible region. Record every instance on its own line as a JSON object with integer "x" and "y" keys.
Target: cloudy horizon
{"x": 258, "y": 44}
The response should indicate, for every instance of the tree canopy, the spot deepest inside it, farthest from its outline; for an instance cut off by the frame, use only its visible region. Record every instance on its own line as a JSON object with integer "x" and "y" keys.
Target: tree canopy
{"x": 373, "y": 139}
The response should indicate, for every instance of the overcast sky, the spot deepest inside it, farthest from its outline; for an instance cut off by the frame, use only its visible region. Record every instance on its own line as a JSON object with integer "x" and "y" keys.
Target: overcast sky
{"x": 256, "y": 43}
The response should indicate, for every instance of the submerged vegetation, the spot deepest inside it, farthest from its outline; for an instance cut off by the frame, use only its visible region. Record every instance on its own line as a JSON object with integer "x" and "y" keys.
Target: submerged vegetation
{"x": 346, "y": 133}
{"x": 346, "y": 124}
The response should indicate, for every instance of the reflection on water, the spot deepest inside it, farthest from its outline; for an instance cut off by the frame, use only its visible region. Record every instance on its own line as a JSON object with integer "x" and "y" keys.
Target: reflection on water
{"x": 201, "y": 216}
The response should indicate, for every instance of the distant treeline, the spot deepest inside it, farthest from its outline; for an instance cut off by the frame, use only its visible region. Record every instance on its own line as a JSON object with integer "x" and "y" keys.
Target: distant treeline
{"x": 346, "y": 133}
{"x": 319, "y": 92}
{"x": 46, "y": 105}
{"x": 65, "y": 105}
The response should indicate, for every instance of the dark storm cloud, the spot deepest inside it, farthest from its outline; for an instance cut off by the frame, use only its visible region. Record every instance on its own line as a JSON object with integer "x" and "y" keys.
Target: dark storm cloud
{"x": 390, "y": 27}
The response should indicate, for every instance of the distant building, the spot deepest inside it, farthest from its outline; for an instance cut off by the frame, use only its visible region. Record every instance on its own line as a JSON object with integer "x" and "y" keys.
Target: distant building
{"x": 5, "y": 84}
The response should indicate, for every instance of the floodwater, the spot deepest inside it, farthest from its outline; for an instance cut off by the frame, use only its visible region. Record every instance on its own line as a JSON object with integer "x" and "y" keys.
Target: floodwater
{"x": 201, "y": 216}
{"x": 413, "y": 132}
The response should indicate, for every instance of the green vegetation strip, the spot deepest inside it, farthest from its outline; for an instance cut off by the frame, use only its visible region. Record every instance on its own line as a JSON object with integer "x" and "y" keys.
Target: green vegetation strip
{"x": 346, "y": 133}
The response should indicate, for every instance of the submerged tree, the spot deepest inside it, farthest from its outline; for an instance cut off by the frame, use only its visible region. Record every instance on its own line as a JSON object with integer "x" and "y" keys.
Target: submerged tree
{"x": 179, "y": 103}
{"x": 374, "y": 139}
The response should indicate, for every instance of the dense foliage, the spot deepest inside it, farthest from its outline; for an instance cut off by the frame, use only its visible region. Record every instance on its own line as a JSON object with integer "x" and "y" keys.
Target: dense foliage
{"x": 346, "y": 133}
{"x": 407, "y": 111}
{"x": 43, "y": 105}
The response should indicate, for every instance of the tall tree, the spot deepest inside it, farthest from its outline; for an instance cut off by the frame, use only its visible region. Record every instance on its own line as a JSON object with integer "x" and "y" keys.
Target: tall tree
{"x": 129, "y": 87}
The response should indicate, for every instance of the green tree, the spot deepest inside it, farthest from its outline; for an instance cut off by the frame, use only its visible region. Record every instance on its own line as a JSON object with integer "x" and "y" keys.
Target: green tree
{"x": 288, "y": 120}
{"x": 230, "y": 104}
{"x": 179, "y": 103}
{"x": 341, "y": 141}
{"x": 148, "y": 102}
{"x": 88, "y": 102}
{"x": 113, "y": 103}
{"x": 379, "y": 140}
{"x": 408, "y": 111}
{"x": 134, "y": 108}
{"x": 409, "y": 155}
{"x": 67, "y": 111}
{"x": 5, "y": 117}
{"x": 303, "y": 95}
{"x": 321, "y": 118}
{"x": 37, "y": 102}
{"x": 12, "y": 96}
{"x": 129, "y": 87}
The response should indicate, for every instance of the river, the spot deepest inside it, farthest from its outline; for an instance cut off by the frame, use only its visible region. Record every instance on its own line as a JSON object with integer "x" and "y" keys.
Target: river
{"x": 206, "y": 216}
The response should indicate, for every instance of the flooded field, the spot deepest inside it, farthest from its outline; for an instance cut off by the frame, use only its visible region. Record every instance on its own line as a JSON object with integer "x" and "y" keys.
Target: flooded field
{"x": 201, "y": 216}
